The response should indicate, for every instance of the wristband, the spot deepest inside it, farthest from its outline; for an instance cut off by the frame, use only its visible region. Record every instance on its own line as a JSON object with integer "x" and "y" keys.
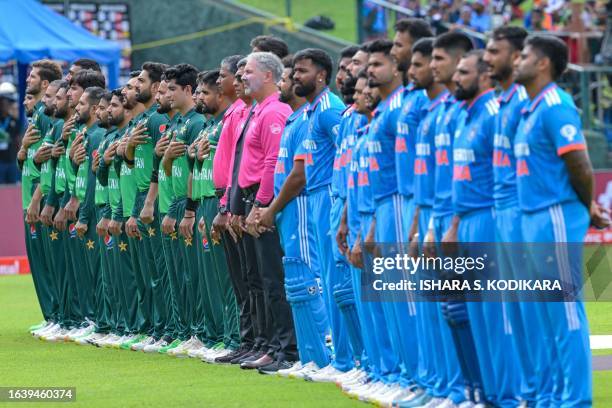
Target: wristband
{"x": 128, "y": 161}
{"x": 192, "y": 205}
{"x": 155, "y": 176}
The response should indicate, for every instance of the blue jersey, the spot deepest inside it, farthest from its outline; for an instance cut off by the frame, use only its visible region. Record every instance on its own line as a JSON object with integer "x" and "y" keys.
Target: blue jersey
{"x": 352, "y": 176}
{"x": 473, "y": 153}
{"x": 549, "y": 128}
{"x": 319, "y": 145}
{"x": 382, "y": 145}
{"x": 511, "y": 102}
{"x": 425, "y": 163}
{"x": 290, "y": 141}
{"x": 450, "y": 114}
{"x": 414, "y": 108}
{"x": 351, "y": 121}
{"x": 365, "y": 199}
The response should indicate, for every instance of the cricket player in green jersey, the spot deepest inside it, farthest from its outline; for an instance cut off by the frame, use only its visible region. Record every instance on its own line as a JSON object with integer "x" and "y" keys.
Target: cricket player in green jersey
{"x": 83, "y": 148}
{"x": 181, "y": 85}
{"x": 43, "y": 72}
{"x": 162, "y": 187}
{"x": 217, "y": 296}
{"x": 139, "y": 156}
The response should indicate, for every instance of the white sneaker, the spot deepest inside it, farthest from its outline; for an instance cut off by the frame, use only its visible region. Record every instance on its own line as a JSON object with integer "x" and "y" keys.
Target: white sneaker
{"x": 121, "y": 340}
{"x": 85, "y": 340}
{"x": 71, "y": 333}
{"x": 155, "y": 347}
{"x": 285, "y": 372}
{"x": 46, "y": 330}
{"x": 141, "y": 344}
{"x": 94, "y": 338}
{"x": 110, "y": 340}
{"x": 448, "y": 403}
{"x": 307, "y": 370}
{"x": 356, "y": 382}
{"x": 466, "y": 404}
{"x": 382, "y": 397}
{"x": 400, "y": 394}
{"x": 85, "y": 331}
{"x": 363, "y": 394}
{"x": 433, "y": 403}
{"x": 372, "y": 395}
{"x": 357, "y": 390}
{"x": 347, "y": 376}
{"x": 182, "y": 349}
{"x": 212, "y": 355}
{"x": 36, "y": 333}
{"x": 56, "y": 336}
{"x": 198, "y": 352}
{"x": 354, "y": 378}
{"x": 326, "y": 374}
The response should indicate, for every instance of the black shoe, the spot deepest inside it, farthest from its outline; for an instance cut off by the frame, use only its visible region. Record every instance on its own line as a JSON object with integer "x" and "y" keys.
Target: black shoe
{"x": 251, "y": 356}
{"x": 275, "y": 366}
{"x": 227, "y": 359}
{"x": 239, "y": 357}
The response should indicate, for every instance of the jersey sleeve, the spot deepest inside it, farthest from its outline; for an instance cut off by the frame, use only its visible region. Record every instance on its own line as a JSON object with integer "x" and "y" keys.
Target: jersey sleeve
{"x": 562, "y": 124}
{"x": 271, "y": 130}
{"x": 330, "y": 122}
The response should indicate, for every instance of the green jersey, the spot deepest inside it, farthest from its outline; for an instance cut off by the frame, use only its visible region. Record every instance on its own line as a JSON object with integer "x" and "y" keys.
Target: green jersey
{"x": 91, "y": 141}
{"x": 69, "y": 167}
{"x": 188, "y": 128}
{"x": 30, "y": 174}
{"x": 165, "y": 192}
{"x": 47, "y": 169}
{"x": 202, "y": 182}
{"x": 101, "y": 197}
{"x": 114, "y": 168}
{"x": 143, "y": 154}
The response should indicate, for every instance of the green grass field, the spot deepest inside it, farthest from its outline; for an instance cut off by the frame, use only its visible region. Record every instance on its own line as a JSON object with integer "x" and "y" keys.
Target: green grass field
{"x": 109, "y": 378}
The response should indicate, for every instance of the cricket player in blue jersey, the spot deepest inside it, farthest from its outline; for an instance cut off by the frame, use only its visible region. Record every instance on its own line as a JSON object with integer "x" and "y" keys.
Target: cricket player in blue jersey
{"x": 474, "y": 223}
{"x": 446, "y": 53}
{"x": 503, "y": 48}
{"x": 432, "y": 374}
{"x": 387, "y": 226}
{"x": 407, "y": 32}
{"x": 301, "y": 264}
{"x": 312, "y": 73}
{"x": 555, "y": 187}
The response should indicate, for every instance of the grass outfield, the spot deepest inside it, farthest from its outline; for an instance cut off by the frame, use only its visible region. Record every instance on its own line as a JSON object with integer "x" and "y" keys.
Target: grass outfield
{"x": 105, "y": 377}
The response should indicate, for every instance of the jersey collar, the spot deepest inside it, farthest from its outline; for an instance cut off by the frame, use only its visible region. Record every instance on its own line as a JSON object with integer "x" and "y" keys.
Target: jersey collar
{"x": 508, "y": 94}
{"x": 317, "y": 99}
{"x": 480, "y": 100}
{"x": 536, "y": 101}
{"x": 438, "y": 100}
{"x": 386, "y": 102}
{"x": 296, "y": 114}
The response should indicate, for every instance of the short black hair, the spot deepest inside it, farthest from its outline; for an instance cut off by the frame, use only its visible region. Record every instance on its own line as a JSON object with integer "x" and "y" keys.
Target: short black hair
{"x": 183, "y": 75}
{"x": 348, "y": 52}
{"x": 107, "y": 95}
{"x": 155, "y": 70}
{"x": 231, "y": 63}
{"x": 318, "y": 57}
{"x": 513, "y": 34}
{"x": 270, "y": 43}
{"x": 383, "y": 45}
{"x": 94, "y": 94}
{"x": 552, "y": 48}
{"x": 365, "y": 47}
{"x": 86, "y": 63}
{"x": 288, "y": 61}
{"x": 208, "y": 78}
{"x": 118, "y": 93}
{"x": 363, "y": 74}
{"x": 424, "y": 46}
{"x": 417, "y": 28}
{"x": 86, "y": 78}
{"x": 481, "y": 65}
{"x": 59, "y": 83}
{"x": 48, "y": 70}
{"x": 241, "y": 63}
{"x": 135, "y": 73}
{"x": 454, "y": 42}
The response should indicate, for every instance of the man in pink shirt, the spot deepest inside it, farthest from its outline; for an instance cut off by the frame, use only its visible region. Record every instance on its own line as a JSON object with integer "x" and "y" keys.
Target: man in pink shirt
{"x": 256, "y": 180}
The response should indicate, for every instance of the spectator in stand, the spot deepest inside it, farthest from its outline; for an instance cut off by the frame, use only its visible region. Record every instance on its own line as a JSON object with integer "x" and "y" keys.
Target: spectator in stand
{"x": 9, "y": 135}
{"x": 413, "y": 5}
{"x": 481, "y": 19}
{"x": 374, "y": 21}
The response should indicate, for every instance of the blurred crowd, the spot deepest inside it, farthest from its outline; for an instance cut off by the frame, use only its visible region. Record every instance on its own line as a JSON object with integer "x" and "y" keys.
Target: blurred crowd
{"x": 9, "y": 134}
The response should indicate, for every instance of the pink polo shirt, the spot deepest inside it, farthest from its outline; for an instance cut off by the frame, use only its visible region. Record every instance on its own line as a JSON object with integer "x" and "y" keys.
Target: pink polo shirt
{"x": 221, "y": 161}
{"x": 240, "y": 116}
{"x": 261, "y": 144}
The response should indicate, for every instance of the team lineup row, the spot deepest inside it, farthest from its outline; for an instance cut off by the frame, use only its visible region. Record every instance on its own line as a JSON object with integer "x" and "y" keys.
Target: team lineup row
{"x": 223, "y": 214}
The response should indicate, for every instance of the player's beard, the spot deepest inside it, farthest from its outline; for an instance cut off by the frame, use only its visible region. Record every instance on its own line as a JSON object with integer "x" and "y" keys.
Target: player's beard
{"x": 144, "y": 96}
{"x": 61, "y": 113}
{"x": 503, "y": 74}
{"x": 164, "y": 108}
{"x": 204, "y": 109}
{"x": 304, "y": 89}
{"x": 115, "y": 121}
{"x": 103, "y": 123}
{"x": 128, "y": 104}
{"x": 82, "y": 118}
{"x": 286, "y": 96}
{"x": 49, "y": 110}
{"x": 34, "y": 90}
{"x": 466, "y": 93}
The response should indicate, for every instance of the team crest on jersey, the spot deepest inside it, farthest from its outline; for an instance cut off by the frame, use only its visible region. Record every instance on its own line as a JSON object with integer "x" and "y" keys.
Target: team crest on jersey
{"x": 407, "y": 107}
{"x": 505, "y": 120}
{"x": 33, "y": 233}
{"x": 426, "y": 126}
{"x": 312, "y": 290}
{"x": 205, "y": 244}
{"x": 336, "y": 129}
{"x": 275, "y": 128}
{"x": 448, "y": 118}
{"x": 528, "y": 125}
{"x": 472, "y": 134}
{"x": 109, "y": 242}
{"x": 569, "y": 132}
{"x": 162, "y": 128}
{"x": 72, "y": 230}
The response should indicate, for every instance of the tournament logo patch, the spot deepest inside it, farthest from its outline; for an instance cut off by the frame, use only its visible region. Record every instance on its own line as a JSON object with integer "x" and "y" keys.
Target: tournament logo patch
{"x": 162, "y": 128}
{"x": 205, "y": 243}
{"x": 33, "y": 233}
{"x": 109, "y": 242}
{"x": 275, "y": 128}
{"x": 72, "y": 230}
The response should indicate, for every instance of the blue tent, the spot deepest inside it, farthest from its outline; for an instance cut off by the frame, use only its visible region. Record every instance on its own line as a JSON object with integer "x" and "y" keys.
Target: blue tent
{"x": 30, "y": 31}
